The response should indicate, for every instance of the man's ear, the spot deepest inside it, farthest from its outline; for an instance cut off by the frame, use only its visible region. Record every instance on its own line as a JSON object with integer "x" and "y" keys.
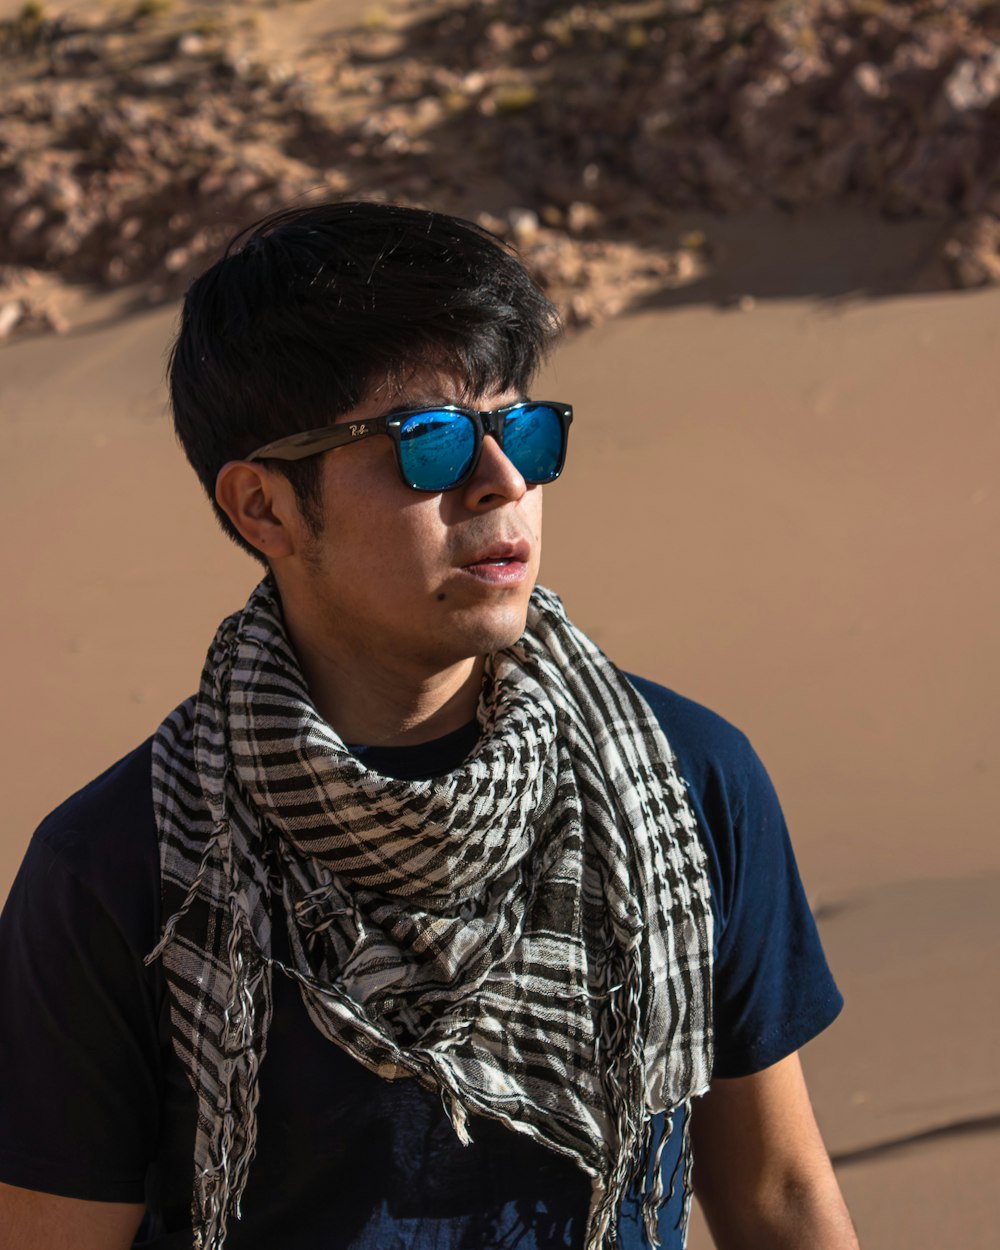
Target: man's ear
{"x": 261, "y": 505}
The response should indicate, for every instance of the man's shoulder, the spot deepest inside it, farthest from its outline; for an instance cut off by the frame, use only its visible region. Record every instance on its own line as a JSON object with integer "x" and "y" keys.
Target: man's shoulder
{"x": 706, "y": 744}
{"x": 119, "y": 794}
{"x": 103, "y": 839}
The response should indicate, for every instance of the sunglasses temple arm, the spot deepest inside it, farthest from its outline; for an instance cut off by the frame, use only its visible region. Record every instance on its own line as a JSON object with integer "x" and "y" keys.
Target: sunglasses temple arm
{"x": 315, "y": 442}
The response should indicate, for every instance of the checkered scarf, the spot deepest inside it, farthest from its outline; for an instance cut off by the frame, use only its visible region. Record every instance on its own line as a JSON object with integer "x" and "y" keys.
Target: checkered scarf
{"x": 530, "y": 934}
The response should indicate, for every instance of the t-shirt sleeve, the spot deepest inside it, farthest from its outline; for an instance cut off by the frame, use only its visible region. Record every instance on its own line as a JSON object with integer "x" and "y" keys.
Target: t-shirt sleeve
{"x": 773, "y": 988}
{"x": 78, "y": 1041}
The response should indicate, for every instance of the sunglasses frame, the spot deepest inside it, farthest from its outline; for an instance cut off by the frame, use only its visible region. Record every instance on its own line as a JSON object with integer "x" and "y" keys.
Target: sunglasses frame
{"x": 488, "y": 421}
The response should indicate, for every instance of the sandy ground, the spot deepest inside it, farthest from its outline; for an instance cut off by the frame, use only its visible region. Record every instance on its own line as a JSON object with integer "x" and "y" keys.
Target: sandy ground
{"x": 790, "y": 514}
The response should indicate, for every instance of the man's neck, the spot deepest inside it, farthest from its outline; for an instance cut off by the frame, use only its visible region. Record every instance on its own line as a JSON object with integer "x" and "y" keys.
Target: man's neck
{"x": 371, "y": 702}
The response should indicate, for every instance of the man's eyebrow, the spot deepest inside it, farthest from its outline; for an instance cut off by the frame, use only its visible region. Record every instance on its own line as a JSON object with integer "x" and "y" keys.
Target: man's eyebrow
{"x": 443, "y": 401}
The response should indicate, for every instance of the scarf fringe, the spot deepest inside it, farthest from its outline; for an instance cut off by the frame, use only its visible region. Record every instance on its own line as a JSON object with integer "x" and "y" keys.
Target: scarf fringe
{"x": 219, "y": 1187}
{"x": 623, "y": 1077}
{"x": 170, "y": 928}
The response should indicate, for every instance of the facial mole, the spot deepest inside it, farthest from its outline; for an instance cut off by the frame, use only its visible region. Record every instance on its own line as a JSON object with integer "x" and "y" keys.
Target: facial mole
{"x": 441, "y": 596}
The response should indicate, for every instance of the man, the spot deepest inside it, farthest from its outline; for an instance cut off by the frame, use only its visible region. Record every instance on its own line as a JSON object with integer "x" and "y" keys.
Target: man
{"x": 410, "y": 929}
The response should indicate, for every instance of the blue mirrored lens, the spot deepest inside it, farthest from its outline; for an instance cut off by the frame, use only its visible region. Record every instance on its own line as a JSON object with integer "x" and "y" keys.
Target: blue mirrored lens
{"x": 533, "y": 441}
{"x": 436, "y": 448}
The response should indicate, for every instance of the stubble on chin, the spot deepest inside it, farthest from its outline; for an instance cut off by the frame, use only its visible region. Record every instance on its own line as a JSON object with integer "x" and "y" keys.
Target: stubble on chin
{"x": 494, "y": 631}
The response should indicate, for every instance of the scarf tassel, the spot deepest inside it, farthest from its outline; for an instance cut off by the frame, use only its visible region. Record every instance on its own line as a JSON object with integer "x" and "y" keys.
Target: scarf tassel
{"x": 624, "y": 1081}
{"x": 219, "y": 1186}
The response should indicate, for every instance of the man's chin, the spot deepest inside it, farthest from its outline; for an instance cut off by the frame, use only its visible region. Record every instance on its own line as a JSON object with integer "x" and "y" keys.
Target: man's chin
{"x": 488, "y": 631}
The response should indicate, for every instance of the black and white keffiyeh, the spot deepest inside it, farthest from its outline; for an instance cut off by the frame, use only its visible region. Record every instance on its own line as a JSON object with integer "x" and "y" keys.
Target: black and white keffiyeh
{"x": 530, "y": 934}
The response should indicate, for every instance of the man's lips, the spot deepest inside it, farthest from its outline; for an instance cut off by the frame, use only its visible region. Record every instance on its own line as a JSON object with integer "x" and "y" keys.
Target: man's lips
{"x": 502, "y": 564}
{"x": 517, "y": 552}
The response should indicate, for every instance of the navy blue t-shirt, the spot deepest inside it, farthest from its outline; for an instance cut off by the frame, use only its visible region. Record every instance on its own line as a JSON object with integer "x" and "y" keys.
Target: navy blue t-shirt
{"x": 94, "y": 1104}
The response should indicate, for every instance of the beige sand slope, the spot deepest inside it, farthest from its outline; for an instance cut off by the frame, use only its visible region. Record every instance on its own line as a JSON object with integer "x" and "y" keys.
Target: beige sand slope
{"x": 790, "y": 514}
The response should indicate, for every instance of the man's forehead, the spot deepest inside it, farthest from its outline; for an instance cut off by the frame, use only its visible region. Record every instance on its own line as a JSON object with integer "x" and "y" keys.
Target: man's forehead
{"x": 427, "y": 387}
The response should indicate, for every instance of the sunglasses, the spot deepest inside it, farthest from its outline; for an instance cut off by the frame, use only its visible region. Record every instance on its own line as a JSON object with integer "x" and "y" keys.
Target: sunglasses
{"x": 438, "y": 448}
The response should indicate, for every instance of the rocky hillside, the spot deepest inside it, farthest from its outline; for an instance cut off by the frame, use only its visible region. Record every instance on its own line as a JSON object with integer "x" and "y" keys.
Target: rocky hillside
{"x": 134, "y": 140}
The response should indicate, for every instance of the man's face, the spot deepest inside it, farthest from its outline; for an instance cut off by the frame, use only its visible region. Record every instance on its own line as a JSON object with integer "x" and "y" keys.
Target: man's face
{"x": 417, "y": 581}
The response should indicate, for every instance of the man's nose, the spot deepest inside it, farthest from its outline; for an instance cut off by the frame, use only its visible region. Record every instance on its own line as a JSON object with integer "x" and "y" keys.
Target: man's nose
{"x": 496, "y": 479}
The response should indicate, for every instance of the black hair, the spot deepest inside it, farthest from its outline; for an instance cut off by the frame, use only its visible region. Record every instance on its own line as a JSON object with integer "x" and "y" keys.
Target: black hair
{"x": 312, "y": 308}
